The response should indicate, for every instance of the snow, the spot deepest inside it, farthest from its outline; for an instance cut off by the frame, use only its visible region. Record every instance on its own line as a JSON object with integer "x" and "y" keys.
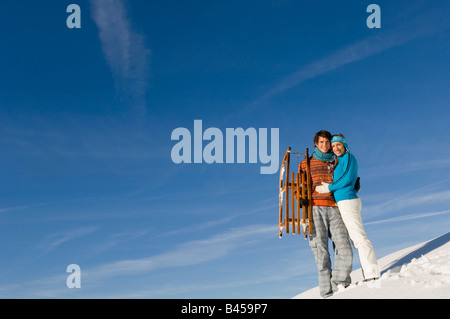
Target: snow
{"x": 418, "y": 272}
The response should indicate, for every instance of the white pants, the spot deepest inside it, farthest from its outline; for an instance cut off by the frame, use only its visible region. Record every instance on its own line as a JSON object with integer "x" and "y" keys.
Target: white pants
{"x": 351, "y": 215}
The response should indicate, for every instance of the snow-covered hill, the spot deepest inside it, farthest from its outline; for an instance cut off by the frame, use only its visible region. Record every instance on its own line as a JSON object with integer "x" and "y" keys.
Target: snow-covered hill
{"x": 421, "y": 271}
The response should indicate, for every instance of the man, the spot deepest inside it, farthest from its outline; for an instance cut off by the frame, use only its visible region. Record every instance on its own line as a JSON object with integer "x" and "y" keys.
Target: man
{"x": 327, "y": 221}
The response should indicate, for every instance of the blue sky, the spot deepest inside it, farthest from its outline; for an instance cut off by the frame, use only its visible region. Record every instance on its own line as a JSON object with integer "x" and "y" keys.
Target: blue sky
{"x": 86, "y": 117}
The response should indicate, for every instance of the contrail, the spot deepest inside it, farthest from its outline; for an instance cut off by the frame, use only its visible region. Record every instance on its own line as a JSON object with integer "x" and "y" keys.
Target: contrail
{"x": 124, "y": 51}
{"x": 430, "y": 22}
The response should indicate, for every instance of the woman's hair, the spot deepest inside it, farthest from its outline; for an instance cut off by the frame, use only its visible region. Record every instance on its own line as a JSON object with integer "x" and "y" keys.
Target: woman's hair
{"x": 322, "y": 133}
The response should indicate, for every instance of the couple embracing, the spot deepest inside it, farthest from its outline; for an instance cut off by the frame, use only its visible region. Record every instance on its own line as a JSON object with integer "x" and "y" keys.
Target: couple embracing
{"x": 336, "y": 214}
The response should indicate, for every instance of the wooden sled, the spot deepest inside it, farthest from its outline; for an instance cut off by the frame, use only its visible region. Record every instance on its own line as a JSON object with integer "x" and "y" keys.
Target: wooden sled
{"x": 294, "y": 188}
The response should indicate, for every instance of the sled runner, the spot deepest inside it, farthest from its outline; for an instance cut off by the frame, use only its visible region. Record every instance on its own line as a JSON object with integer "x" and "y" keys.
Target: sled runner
{"x": 295, "y": 191}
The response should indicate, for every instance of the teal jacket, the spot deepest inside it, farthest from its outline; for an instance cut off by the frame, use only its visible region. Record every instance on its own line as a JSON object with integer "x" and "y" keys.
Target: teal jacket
{"x": 344, "y": 178}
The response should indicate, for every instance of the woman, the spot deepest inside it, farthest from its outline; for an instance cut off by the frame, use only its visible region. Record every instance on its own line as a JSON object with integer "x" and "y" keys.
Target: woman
{"x": 343, "y": 188}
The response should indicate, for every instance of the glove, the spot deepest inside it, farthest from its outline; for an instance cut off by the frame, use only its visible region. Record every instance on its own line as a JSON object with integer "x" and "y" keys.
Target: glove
{"x": 303, "y": 202}
{"x": 323, "y": 188}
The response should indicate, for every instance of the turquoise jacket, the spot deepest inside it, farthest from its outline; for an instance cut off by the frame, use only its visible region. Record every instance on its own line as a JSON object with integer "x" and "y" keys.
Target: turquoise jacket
{"x": 344, "y": 178}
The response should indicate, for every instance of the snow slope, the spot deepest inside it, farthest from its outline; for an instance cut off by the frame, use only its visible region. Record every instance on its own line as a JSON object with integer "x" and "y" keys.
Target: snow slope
{"x": 418, "y": 272}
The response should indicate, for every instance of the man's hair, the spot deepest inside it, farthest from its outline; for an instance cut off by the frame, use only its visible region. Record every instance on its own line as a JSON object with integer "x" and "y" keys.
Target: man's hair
{"x": 322, "y": 133}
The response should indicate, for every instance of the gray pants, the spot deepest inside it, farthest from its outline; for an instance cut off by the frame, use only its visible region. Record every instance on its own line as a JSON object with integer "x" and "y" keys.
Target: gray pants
{"x": 328, "y": 223}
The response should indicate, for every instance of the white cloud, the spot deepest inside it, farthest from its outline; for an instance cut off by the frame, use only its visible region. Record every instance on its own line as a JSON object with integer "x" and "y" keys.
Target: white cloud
{"x": 186, "y": 254}
{"x": 388, "y": 37}
{"x": 409, "y": 217}
{"x": 435, "y": 193}
{"x": 15, "y": 208}
{"x": 53, "y": 241}
{"x": 124, "y": 50}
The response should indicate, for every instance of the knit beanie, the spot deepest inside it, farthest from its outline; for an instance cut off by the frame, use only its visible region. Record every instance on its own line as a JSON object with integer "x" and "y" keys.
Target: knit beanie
{"x": 340, "y": 139}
